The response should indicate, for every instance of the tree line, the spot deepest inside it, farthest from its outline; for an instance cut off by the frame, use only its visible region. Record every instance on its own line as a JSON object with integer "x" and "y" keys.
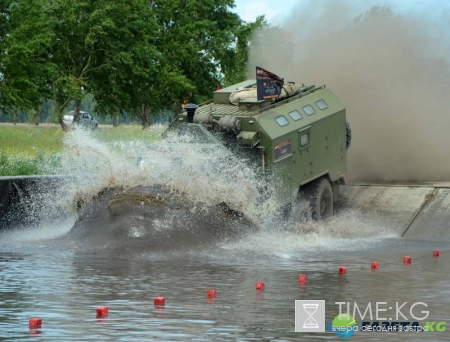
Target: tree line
{"x": 135, "y": 58}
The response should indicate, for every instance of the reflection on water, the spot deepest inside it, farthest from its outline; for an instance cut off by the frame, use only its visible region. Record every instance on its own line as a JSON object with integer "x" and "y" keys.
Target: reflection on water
{"x": 64, "y": 286}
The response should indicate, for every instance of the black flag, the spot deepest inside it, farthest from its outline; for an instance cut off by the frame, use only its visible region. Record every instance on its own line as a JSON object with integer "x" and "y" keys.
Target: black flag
{"x": 268, "y": 84}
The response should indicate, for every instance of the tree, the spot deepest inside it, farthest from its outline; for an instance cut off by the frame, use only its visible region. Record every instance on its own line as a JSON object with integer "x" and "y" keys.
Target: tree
{"x": 5, "y": 14}
{"x": 204, "y": 41}
{"x": 140, "y": 81}
{"x": 135, "y": 57}
{"x": 23, "y": 63}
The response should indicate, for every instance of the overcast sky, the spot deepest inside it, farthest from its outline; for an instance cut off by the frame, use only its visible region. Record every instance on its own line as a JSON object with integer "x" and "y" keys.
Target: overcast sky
{"x": 250, "y": 9}
{"x": 276, "y": 10}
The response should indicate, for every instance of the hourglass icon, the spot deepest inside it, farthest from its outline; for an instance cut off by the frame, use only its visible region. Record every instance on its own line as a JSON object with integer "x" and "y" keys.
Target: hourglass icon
{"x": 310, "y": 322}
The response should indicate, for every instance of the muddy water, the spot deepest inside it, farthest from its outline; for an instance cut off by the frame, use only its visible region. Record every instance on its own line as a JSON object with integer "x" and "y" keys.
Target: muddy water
{"x": 63, "y": 283}
{"x": 47, "y": 272}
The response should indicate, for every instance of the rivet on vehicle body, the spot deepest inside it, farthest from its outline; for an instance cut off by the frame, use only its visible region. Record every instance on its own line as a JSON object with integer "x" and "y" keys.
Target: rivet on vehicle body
{"x": 342, "y": 270}
{"x": 407, "y": 259}
{"x": 102, "y": 311}
{"x": 436, "y": 253}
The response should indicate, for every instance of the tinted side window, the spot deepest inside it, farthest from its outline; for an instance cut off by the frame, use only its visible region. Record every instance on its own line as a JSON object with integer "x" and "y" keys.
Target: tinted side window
{"x": 295, "y": 115}
{"x": 322, "y": 104}
{"x": 281, "y": 120}
{"x": 309, "y": 110}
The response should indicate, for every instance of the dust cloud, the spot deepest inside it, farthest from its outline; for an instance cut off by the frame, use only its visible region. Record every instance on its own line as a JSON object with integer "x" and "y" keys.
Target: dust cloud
{"x": 389, "y": 71}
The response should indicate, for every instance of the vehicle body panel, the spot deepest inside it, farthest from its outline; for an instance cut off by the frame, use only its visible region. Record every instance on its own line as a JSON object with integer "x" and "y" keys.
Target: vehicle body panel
{"x": 291, "y": 155}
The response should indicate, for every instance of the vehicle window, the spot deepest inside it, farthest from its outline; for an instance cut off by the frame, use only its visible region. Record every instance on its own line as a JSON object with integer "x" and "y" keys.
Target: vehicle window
{"x": 295, "y": 115}
{"x": 281, "y": 120}
{"x": 321, "y": 104}
{"x": 304, "y": 139}
{"x": 309, "y": 110}
{"x": 89, "y": 116}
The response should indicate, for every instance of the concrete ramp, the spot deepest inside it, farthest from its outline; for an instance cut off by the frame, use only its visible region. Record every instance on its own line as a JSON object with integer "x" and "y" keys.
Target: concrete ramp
{"x": 433, "y": 221}
{"x": 415, "y": 212}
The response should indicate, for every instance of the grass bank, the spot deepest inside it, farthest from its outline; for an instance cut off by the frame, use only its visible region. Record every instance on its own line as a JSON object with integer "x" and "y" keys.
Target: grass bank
{"x": 23, "y": 150}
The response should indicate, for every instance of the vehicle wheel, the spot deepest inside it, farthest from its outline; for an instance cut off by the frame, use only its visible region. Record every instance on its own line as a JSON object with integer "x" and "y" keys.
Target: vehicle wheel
{"x": 349, "y": 134}
{"x": 319, "y": 195}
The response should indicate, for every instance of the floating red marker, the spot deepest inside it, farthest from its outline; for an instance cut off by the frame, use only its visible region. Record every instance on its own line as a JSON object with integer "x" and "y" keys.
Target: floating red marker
{"x": 342, "y": 270}
{"x": 102, "y": 311}
{"x": 374, "y": 265}
{"x": 260, "y": 285}
{"x": 407, "y": 259}
{"x": 160, "y": 301}
{"x": 211, "y": 293}
{"x": 436, "y": 253}
{"x": 302, "y": 278}
{"x": 35, "y": 323}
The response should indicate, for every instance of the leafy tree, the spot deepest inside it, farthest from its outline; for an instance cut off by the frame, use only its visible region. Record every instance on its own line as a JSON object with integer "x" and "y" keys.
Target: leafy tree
{"x": 204, "y": 41}
{"x": 5, "y": 14}
{"x": 23, "y": 63}
{"x": 134, "y": 68}
{"x": 136, "y": 57}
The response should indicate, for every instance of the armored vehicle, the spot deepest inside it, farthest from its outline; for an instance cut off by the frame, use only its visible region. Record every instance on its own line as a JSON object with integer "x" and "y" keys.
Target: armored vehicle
{"x": 298, "y": 138}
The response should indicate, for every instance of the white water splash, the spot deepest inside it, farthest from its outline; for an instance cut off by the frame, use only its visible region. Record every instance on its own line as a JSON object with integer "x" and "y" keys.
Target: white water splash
{"x": 203, "y": 173}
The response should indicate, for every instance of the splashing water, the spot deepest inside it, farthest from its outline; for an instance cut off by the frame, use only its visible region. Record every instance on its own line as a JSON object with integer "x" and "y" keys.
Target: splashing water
{"x": 205, "y": 175}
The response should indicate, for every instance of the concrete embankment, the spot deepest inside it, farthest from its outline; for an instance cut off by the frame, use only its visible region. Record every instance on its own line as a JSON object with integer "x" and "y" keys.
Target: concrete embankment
{"x": 415, "y": 212}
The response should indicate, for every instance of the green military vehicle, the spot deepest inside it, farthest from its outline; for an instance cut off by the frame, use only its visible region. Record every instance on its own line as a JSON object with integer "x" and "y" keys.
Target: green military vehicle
{"x": 297, "y": 136}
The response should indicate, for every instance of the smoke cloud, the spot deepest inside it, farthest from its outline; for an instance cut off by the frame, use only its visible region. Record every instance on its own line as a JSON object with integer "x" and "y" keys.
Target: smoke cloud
{"x": 389, "y": 71}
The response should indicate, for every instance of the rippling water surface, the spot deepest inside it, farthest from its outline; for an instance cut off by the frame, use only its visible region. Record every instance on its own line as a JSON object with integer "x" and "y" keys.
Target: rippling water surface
{"x": 63, "y": 278}
{"x": 64, "y": 285}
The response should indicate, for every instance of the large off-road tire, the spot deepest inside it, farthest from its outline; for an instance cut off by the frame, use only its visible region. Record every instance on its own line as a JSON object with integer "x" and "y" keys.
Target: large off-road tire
{"x": 348, "y": 134}
{"x": 319, "y": 195}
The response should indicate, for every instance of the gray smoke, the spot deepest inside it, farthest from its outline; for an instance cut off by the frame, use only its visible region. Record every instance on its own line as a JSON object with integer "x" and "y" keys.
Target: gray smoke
{"x": 388, "y": 70}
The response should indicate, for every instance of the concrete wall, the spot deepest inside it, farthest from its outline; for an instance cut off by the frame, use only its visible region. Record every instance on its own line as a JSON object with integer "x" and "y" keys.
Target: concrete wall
{"x": 415, "y": 212}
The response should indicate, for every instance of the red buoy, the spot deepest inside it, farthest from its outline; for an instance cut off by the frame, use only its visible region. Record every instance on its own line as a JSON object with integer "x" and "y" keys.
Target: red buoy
{"x": 302, "y": 278}
{"x": 35, "y": 323}
{"x": 102, "y": 311}
{"x": 211, "y": 293}
{"x": 342, "y": 270}
{"x": 407, "y": 259}
{"x": 436, "y": 253}
{"x": 160, "y": 301}
{"x": 374, "y": 265}
{"x": 260, "y": 285}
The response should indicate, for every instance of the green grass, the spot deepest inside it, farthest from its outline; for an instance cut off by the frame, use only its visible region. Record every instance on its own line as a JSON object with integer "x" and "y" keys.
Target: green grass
{"x": 24, "y": 149}
{"x": 30, "y": 141}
